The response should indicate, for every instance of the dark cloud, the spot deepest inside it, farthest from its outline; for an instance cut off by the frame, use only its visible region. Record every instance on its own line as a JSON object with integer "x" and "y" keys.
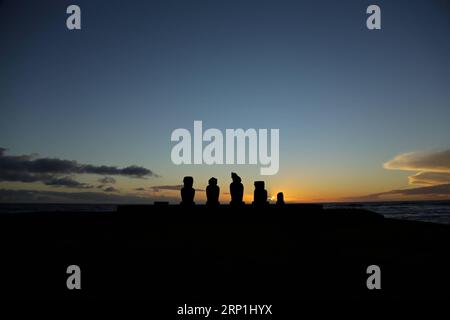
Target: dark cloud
{"x": 167, "y": 187}
{"x": 66, "y": 182}
{"x": 442, "y": 189}
{"x": 56, "y": 172}
{"x": 86, "y": 197}
{"x": 437, "y": 191}
{"x": 110, "y": 189}
{"x": 107, "y": 180}
{"x": 429, "y": 178}
{"x": 43, "y": 165}
{"x": 170, "y": 188}
{"x": 22, "y": 176}
{"x": 131, "y": 171}
{"x": 140, "y": 189}
{"x": 107, "y": 188}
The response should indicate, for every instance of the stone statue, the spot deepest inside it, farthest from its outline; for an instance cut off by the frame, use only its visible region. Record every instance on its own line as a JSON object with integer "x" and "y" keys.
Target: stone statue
{"x": 260, "y": 194}
{"x": 212, "y": 193}
{"x": 187, "y": 192}
{"x": 280, "y": 199}
{"x": 236, "y": 190}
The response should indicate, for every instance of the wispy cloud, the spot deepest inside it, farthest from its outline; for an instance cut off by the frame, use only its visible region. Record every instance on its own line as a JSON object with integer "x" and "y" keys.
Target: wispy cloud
{"x": 33, "y": 196}
{"x": 421, "y": 161}
{"x": 107, "y": 180}
{"x": 110, "y": 189}
{"x": 170, "y": 188}
{"x": 66, "y": 182}
{"x": 429, "y": 178}
{"x": 441, "y": 191}
{"x": 432, "y": 168}
{"x": 60, "y": 172}
{"x": 432, "y": 175}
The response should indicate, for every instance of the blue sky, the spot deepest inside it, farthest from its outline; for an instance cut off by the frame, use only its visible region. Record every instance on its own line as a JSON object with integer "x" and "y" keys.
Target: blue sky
{"x": 346, "y": 99}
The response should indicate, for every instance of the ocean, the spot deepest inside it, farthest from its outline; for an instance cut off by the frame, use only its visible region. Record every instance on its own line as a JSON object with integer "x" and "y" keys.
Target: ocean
{"x": 428, "y": 211}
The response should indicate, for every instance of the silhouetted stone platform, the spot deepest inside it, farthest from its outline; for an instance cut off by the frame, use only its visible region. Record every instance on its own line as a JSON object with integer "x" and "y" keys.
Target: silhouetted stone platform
{"x": 250, "y": 209}
{"x": 175, "y": 252}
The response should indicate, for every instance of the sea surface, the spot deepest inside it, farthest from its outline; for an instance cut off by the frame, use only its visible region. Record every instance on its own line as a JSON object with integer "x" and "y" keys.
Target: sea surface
{"x": 429, "y": 211}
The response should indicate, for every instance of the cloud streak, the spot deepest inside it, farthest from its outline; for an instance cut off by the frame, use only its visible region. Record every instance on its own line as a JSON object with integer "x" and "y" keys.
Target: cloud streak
{"x": 110, "y": 189}
{"x": 432, "y": 177}
{"x": 429, "y": 178}
{"x": 107, "y": 180}
{"x": 85, "y": 197}
{"x": 441, "y": 191}
{"x": 66, "y": 182}
{"x": 421, "y": 161}
{"x": 60, "y": 172}
{"x": 170, "y": 188}
{"x": 433, "y": 168}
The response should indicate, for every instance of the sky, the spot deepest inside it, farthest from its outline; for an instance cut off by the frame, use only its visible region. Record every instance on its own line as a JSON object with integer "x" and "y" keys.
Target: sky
{"x": 87, "y": 115}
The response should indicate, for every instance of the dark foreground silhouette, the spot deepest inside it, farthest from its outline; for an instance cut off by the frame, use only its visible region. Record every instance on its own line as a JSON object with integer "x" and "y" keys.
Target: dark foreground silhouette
{"x": 222, "y": 252}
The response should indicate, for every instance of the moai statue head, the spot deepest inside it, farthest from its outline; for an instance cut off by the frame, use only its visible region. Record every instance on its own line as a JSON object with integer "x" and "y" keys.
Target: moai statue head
{"x": 235, "y": 177}
{"x": 188, "y": 182}
{"x": 280, "y": 198}
{"x": 259, "y": 185}
{"x": 260, "y": 194}
{"x": 212, "y": 181}
{"x": 212, "y": 192}
{"x": 187, "y": 192}
{"x": 236, "y": 190}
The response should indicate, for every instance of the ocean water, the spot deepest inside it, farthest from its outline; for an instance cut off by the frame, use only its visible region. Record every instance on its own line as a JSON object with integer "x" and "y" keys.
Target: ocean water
{"x": 429, "y": 211}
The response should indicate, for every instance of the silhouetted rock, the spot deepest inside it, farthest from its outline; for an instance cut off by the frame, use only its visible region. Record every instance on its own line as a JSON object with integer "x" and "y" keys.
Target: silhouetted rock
{"x": 280, "y": 198}
{"x": 187, "y": 192}
{"x": 260, "y": 194}
{"x": 212, "y": 193}
{"x": 236, "y": 190}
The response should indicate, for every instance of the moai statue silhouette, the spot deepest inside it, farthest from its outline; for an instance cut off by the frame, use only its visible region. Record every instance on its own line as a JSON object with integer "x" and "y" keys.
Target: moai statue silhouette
{"x": 236, "y": 190}
{"x": 280, "y": 199}
{"x": 187, "y": 192}
{"x": 212, "y": 193}
{"x": 260, "y": 194}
